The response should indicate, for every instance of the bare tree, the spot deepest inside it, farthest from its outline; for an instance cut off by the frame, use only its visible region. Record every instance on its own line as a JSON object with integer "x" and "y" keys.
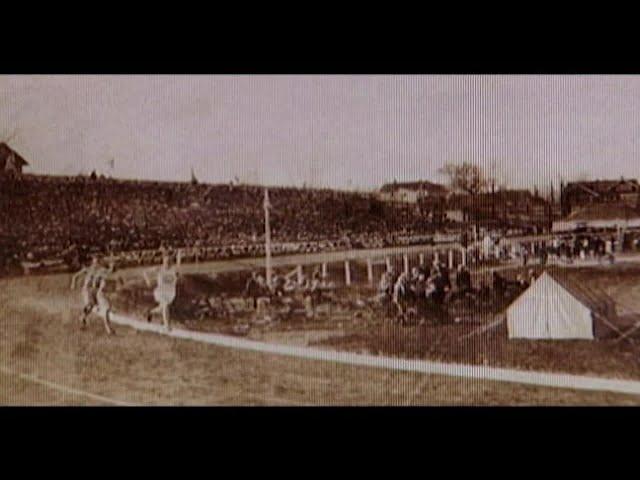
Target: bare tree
{"x": 466, "y": 177}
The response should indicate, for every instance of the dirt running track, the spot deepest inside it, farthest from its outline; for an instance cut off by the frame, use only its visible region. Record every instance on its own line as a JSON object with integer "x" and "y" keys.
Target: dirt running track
{"x": 45, "y": 359}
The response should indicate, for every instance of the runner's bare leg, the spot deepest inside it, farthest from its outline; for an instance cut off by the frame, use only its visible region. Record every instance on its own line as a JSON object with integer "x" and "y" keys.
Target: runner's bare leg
{"x": 165, "y": 316}
{"x": 156, "y": 309}
{"x": 107, "y": 322}
{"x": 86, "y": 311}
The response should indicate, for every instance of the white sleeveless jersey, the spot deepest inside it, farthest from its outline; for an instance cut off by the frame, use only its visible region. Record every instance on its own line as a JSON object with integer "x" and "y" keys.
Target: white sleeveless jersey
{"x": 91, "y": 279}
{"x": 167, "y": 279}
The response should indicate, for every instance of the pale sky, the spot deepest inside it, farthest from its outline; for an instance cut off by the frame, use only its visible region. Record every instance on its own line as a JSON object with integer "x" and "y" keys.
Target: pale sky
{"x": 337, "y": 131}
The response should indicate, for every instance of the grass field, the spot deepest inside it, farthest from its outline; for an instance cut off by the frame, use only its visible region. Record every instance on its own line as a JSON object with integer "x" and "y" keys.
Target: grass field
{"x": 602, "y": 357}
{"x": 367, "y": 330}
{"x": 40, "y": 337}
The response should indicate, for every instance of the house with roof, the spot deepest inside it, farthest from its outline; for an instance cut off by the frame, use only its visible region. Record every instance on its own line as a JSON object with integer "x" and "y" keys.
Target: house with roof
{"x": 11, "y": 162}
{"x": 504, "y": 206}
{"x": 599, "y": 217}
{"x": 412, "y": 192}
{"x": 576, "y": 195}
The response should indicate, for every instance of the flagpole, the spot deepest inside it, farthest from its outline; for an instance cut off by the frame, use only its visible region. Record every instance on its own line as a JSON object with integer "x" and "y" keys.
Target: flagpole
{"x": 267, "y": 236}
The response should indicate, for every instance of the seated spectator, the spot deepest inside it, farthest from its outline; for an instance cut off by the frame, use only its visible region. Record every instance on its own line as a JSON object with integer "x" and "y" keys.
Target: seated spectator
{"x": 463, "y": 279}
{"x": 498, "y": 283}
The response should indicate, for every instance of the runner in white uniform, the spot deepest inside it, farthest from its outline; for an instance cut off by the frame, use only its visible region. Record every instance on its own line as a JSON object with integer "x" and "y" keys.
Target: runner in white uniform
{"x": 88, "y": 289}
{"x": 93, "y": 296}
{"x": 165, "y": 291}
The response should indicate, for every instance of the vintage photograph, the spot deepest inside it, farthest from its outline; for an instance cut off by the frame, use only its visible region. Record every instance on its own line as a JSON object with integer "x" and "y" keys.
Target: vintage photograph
{"x": 319, "y": 240}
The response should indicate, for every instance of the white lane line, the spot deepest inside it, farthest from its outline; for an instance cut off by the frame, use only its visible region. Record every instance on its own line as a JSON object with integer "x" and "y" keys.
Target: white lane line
{"x": 280, "y": 401}
{"x": 63, "y": 388}
{"x": 554, "y": 380}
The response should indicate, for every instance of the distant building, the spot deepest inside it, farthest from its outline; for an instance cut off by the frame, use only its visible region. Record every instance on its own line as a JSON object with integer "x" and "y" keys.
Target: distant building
{"x": 576, "y": 195}
{"x": 509, "y": 199}
{"x": 503, "y": 207}
{"x": 599, "y": 217}
{"x": 412, "y": 192}
{"x": 11, "y": 163}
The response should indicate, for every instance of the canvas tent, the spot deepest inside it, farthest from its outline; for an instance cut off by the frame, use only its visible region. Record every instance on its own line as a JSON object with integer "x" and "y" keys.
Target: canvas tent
{"x": 554, "y": 307}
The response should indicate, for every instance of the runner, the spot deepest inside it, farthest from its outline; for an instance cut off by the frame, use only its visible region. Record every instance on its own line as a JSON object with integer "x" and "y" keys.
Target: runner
{"x": 165, "y": 291}
{"x": 93, "y": 297}
{"x": 103, "y": 304}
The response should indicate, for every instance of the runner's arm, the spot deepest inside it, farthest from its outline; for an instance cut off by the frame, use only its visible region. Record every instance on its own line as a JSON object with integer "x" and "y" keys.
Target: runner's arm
{"x": 146, "y": 273}
{"x": 178, "y": 260}
{"x": 75, "y": 277}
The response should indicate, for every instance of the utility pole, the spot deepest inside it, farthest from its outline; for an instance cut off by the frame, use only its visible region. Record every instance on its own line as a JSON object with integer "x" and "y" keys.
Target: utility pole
{"x": 267, "y": 236}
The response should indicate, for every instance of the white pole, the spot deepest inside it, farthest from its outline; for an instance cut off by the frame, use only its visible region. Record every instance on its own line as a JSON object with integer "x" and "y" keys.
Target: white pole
{"x": 464, "y": 257}
{"x": 405, "y": 261}
{"x": 388, "y": 262}
{"x": 299, "y": 271}
{"x": 436, "y": 256}
{"x": 347, "y": 273}
{"x": 324, "y": 269}
{"x": 421, "y": 257}
{"x": 450, "y": 259}
{"x": 267, "y": 236}
{"x": 369, "y": 270}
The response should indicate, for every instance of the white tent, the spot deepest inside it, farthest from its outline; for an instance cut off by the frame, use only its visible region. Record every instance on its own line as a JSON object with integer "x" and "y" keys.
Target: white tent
{"x": 555, "y": 308}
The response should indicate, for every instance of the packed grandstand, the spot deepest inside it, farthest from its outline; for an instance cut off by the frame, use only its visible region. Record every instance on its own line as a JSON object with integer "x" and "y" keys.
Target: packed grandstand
{"x": 49, "y": 218}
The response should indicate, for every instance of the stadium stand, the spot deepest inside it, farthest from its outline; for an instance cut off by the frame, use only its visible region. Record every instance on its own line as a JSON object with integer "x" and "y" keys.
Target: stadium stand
{"x": 49, "y": 217}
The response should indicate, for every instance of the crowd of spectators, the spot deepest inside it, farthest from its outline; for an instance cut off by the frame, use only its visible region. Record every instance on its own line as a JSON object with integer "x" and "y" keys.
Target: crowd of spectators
{"x": 563, "y": 248}
{"x": 72, "y": 218}
{"x": 585, "y": 246}
{"x": 434, "y": 292}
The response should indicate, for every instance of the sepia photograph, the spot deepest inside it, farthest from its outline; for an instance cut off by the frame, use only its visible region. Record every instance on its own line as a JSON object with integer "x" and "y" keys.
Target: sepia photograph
{"x": 319, "y": 240}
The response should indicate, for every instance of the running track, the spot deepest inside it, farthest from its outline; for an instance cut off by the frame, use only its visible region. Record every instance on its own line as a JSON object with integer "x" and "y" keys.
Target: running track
{"x": 555, "y": 380}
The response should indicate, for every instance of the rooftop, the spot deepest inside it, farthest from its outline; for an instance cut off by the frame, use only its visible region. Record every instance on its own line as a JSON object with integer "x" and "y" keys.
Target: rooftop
{"x": 423, "y": 186}
{"x": 5, "y": 152}
{"x": 598, "y": 187}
